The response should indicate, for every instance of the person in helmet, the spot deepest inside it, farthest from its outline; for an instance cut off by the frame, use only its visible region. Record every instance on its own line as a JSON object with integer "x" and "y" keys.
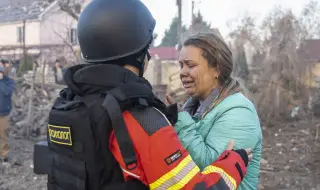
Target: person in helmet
{"x": 140, "y": 147}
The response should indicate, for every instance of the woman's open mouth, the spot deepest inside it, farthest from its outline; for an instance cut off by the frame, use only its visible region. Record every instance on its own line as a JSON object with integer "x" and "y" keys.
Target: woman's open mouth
{"x": 187, "y": 84}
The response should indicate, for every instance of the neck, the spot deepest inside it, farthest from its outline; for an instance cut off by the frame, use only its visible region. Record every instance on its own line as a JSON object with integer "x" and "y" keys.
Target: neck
{"x": 205, "y": 96}
{"x": 132, "y": 68}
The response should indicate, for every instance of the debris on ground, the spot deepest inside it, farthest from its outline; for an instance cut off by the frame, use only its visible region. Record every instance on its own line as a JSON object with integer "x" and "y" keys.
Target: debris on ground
{"x": 43, "y": 98}
{"x": 291, "y": 157}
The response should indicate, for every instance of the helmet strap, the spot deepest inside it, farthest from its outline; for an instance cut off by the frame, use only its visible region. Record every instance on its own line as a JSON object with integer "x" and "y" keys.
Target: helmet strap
{"x": 142, "y": 63}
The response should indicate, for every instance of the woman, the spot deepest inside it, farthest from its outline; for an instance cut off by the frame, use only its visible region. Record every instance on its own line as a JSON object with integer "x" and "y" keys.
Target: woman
{"x": 218, "y": 109}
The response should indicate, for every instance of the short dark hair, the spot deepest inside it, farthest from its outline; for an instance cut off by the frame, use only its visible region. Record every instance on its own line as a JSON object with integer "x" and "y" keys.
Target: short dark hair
{"x": 3, "y": 61}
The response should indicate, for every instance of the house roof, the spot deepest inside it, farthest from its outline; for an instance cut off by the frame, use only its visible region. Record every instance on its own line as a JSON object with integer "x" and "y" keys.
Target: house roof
{"x": 164, "y": 53}
{"x": 310, "y": 50}
{"x": 18, "y": 10}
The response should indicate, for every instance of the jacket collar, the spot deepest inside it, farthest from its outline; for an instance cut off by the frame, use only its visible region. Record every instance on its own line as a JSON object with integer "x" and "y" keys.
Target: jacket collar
{"x": 195, "y": 108}
{"x": 87, "y": 78}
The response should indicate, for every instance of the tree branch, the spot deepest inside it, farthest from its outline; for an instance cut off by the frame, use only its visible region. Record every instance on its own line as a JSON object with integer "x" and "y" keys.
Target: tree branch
{"x": 68, "y": 44}
{"x": 69, "y": 7}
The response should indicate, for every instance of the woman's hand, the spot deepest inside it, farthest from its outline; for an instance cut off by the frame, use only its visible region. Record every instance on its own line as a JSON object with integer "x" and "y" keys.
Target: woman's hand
{"x": 248, "y": 151}
{"x": 169, "y": 100}
{"x": 170, "y": 103}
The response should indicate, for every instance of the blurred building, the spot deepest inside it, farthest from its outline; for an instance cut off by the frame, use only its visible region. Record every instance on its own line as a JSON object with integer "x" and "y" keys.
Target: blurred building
{"x": 46, "y": 30}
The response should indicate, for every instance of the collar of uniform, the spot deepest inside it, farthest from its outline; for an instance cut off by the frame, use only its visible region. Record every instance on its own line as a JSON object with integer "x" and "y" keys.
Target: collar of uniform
{"x": 88, "y": 78}
{"x": 104, "y": 75}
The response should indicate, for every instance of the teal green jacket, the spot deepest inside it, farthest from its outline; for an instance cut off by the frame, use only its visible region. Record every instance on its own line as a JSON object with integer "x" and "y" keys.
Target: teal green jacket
{"x": 233, "y": 118}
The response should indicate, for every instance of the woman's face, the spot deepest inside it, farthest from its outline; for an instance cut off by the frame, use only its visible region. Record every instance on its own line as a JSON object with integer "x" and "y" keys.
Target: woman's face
{"x": 197, "y": 77}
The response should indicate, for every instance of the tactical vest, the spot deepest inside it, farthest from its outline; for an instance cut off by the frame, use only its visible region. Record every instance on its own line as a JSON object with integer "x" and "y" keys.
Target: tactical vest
{"x": 78, "y": 137}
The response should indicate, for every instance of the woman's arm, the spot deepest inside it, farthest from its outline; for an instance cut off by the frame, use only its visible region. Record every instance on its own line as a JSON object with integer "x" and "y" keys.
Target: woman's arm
{"x": 239, "y": 123}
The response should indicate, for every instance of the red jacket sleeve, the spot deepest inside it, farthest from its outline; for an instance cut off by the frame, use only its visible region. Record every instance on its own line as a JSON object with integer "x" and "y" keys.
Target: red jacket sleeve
{"x": 163, "y": 163}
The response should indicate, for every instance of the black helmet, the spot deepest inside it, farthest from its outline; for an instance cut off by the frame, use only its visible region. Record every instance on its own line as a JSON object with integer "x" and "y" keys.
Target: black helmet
{"x": 113, "y": 29}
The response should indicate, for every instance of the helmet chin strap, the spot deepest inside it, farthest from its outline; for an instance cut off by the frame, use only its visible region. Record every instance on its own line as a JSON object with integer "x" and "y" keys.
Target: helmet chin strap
{"x": 143, "y": 56}
{"x": 142, "y": 63}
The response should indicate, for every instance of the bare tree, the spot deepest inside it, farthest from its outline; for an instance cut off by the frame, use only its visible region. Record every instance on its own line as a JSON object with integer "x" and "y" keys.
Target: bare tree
{"x": 309, "y": 19}
{"x": 246, "y": 41}
{"x": 278, "y": 41}
{"x": 245, "y": 29}
{"x": 71, "y": 7}
{"x": 68, "y": 43}
{"x": 282, "y": 65}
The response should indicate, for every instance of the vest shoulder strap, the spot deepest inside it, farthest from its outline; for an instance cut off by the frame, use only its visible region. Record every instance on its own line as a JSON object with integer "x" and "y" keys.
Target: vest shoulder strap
{"x": 116, "y": 101}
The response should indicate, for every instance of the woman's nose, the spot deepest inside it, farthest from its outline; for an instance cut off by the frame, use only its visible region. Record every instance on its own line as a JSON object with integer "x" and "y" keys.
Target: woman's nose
{"x": 183, "y": 71}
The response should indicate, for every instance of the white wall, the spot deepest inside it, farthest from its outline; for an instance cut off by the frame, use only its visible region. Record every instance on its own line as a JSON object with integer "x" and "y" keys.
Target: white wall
{"x": 55, "y": 27}
{"x": 9, "y": 33}
{"x": 149, "y": 74}
{"x": 169, "y": 68}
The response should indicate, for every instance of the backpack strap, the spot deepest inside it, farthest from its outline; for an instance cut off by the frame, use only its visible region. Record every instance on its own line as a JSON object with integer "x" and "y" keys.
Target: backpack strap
{"x": 118, "y": 100}
{"x": 115, "y": 102}
{"x": 133, "y": 94}
{"x": 100, "y": 132}
{"x": 111, "y": 105}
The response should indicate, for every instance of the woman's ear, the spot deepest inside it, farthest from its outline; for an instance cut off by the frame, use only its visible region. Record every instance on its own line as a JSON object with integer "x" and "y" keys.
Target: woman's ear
{"x": 214, "y": 72}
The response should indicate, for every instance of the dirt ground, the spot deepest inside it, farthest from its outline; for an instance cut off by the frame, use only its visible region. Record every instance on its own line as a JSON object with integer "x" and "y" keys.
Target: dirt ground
{"x": 21, "y": 177}
{"x": 291, "y": 157}
{"x": 291, "y": 160}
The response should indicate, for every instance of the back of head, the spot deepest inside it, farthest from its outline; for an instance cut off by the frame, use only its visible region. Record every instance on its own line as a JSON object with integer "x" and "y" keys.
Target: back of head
{"x": 111, "y": 30}
{"x": 3, "y": 61}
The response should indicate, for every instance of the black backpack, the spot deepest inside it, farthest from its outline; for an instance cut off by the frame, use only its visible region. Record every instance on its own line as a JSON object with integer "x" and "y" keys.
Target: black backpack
{"x": 78, "y": 138}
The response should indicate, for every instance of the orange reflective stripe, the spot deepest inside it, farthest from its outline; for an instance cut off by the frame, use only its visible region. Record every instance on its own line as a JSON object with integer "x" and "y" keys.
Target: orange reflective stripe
{"x": 178, "y": 177}
{"x": 227, "y": 178}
